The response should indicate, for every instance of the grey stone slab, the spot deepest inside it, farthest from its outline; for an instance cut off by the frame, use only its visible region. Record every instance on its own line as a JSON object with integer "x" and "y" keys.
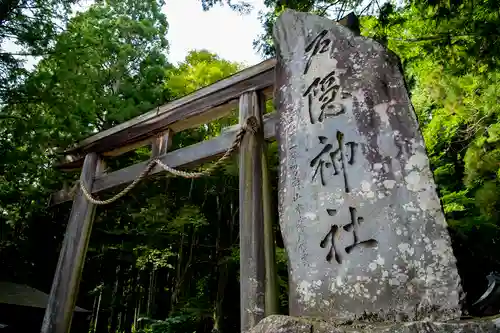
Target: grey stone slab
{"x": 285, "y": 324}
{"x": 361, "y": 220}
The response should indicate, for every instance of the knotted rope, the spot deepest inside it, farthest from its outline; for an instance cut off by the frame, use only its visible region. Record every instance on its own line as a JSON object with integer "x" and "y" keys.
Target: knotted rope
{"x": 250, "y": 125}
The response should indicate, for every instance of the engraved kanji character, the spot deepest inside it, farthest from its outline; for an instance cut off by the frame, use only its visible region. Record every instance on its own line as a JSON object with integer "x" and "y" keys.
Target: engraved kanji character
{"x": 319, "y": 162}
{"x": 319, "y": 45}
{"x": 330, "y": 236}
{"x": 354, "y": 227}
{"x": 330, "y": 96}
{"x": 339, "y": 156}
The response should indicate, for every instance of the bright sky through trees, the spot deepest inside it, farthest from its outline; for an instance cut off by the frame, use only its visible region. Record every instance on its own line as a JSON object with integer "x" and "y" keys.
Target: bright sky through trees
{"x": 220, "y": 30}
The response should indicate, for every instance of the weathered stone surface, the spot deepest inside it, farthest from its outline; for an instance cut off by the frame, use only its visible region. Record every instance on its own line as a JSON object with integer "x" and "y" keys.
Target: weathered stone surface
{"x": 361, "y": 221}
{"x": 284, "y": 324}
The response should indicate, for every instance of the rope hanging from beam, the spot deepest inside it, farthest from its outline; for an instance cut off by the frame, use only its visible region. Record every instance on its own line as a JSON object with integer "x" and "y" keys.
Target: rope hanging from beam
{"x": 250, "y": 125}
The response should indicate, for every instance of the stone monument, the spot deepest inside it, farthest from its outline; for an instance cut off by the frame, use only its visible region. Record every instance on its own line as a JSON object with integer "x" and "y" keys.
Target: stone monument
{"x": 361, "y": 220}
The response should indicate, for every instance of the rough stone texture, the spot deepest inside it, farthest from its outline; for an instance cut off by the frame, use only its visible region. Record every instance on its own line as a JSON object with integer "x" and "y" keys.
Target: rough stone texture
{"x": 284, "y": 324}
{"x": 359, "y": 172}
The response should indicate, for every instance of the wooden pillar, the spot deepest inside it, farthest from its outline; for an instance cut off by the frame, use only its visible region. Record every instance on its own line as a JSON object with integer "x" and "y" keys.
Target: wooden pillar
{"x": 252, "y": 262}
{"x": 161, "y": 144}
{"x": 271, "y": 285}
{"x": 64, "y": 291}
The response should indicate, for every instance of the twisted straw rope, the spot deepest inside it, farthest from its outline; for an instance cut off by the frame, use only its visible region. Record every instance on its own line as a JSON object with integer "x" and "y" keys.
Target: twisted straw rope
{"x": 250, "y": 125}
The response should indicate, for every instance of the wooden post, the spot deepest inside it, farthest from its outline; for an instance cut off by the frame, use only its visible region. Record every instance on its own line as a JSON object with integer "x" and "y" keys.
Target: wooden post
{"x": 252, "y": 263}
{"x": 161, "y": 144}
{"x": 271, "y": 286}
{"x": 97, "y": 313}
{"x": 64, "y": 291}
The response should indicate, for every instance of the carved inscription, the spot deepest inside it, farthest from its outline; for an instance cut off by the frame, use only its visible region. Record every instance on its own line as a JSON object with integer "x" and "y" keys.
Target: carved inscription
{"x": 331, "y": 96}
{"x": 330, "y": 236}
{"x": 342, "y": 157}
{"x": 352, "y": 227}
{"x": 338, "y": 160}
{"x": 335, "y": 156}
{"x": 319, "y": 162}
{"x": 317, "y": 46}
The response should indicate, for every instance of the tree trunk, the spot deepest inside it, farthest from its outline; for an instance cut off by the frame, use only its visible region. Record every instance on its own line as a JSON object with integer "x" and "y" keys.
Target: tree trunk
{"x": 181, "y": 273}
{"x": 140, "y": 296}
{"x": 92, "y": 318}
{"x": 173, "y": 298}
{"x": 97, "y": 312}
{"x": 221, "y": 270}
{"x": 151, "y": 292}
{"x": 131, "y": 301}
{"x": 116, "y": 300}
{"x": 127, "y": 283}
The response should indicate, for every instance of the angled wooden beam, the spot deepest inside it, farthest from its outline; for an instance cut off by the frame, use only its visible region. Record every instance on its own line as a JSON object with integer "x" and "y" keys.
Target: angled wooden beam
{"x": 64, "y": 291}
{"x": 199, "y": 107}
{"x": 190, "y": 156}
{"x": 75, "y": 159}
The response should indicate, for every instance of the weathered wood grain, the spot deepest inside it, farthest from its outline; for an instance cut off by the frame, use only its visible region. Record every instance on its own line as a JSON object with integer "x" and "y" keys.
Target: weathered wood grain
{"x": 199, "y": 107}
{"x": 64, "y": 291}
{"x": 161, "y": 144}
{"x": 271, "y": 285}
{"x": 185, "y": 157}
{"x": 75, "y": 158}
{"x": 252, "y": 259}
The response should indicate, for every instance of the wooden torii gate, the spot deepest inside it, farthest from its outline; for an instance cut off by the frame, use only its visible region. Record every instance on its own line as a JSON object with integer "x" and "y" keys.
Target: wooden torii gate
{"x": 249, "y": 89}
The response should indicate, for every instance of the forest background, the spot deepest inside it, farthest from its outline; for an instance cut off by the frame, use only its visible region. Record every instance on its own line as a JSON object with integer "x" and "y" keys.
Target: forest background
{"x": 168, "y": 252}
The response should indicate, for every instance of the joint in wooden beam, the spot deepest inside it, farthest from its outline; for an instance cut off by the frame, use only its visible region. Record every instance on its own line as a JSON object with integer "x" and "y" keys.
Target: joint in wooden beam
{"x": 185, "y": 157}
{"x": 161, "y": 143}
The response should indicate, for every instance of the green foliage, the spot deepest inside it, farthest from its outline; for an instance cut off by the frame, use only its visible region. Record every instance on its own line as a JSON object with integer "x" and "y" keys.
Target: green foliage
{"x": 175, "y": 324}
{"x": 31, "y": 26}
{"x": 170, "y": 248}
{"x": 108, "y": 66}
{"x": 171, "y": 230}
{"x": 282, "y": 267}
{"x": 152, "y": 258}
{"x": 199, "y": 69}
{"x": 454, "y": 93}
{"x": 188, "y": 215}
